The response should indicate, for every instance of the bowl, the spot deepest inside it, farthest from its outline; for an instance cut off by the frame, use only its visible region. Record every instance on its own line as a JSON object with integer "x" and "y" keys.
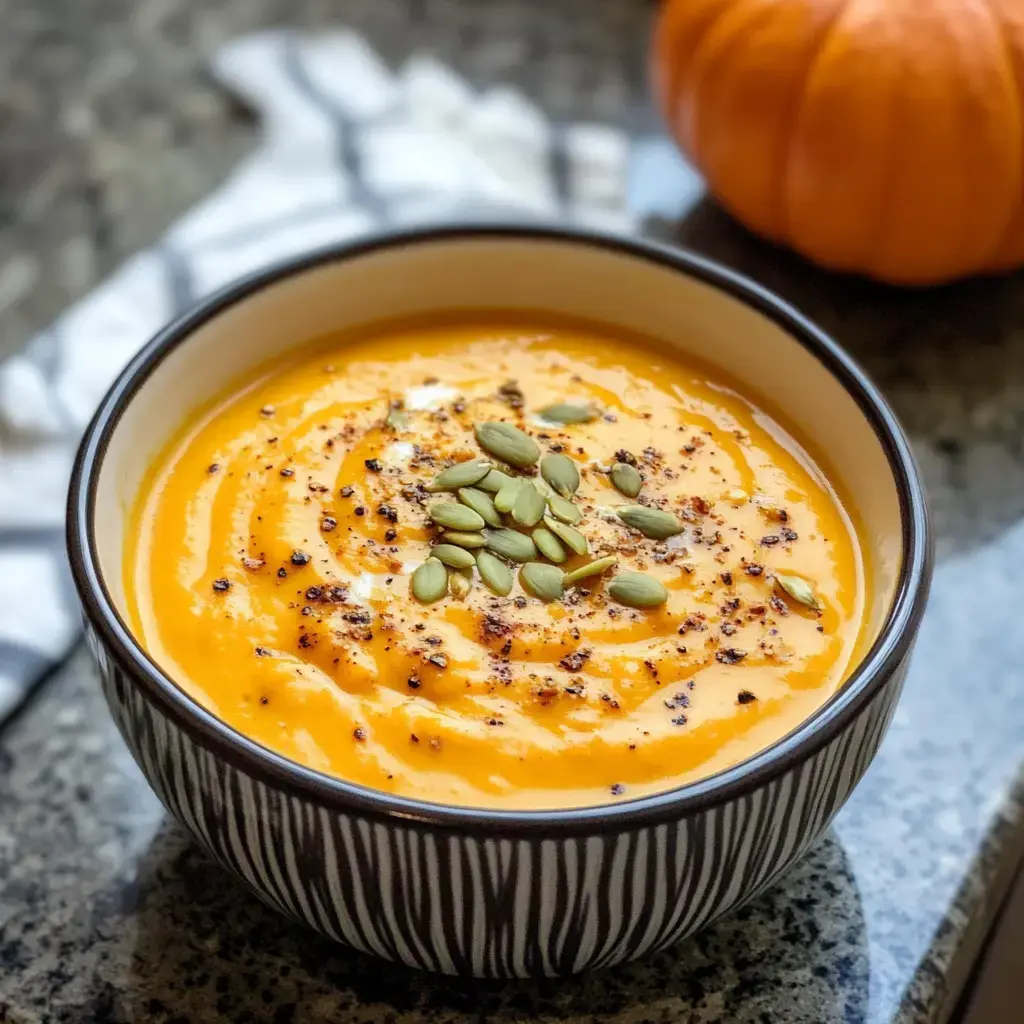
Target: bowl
{"x": 481, "y": 892}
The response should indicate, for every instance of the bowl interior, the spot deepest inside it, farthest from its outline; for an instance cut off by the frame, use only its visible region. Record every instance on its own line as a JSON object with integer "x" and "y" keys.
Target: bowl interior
{"x": 563, "y": 275}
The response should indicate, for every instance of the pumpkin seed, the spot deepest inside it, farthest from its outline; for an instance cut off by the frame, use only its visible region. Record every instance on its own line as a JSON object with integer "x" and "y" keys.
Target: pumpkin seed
{"x": 481, "y": 504}
{"x": 562, "y": 508}
{"x": 626, "y": 479}
{"x": 495, "y": 573}
{"x": 462, "y": 474}
{"x": 542, "y": 580}
{"x": 542, "y": 485}
{"x": 430, "y": 581}
{"x": 506, "y": 442}
{"x": 494, "y": 481}
{"x": 395, "y": 420}
{"x": 456, "y": 557}
{"x": 560, "y": 471}
{"x": 548, "y": 544}
{"x": 566, "y": 412}
{"x": 594, "y": 568}
{"x": 455, "y": 516}
{"x": 571, "y": 538}
{"x": 636, "y": 590}
{"x": 464, "y": 540}
{"x": 460, "y": 584}
{"x": 800, "y": 590}
{"x": 651, "y": 522}
{"x": 506, "y": 497}
{"x": 529, "y": 506}
{"x": 516, "y": 547}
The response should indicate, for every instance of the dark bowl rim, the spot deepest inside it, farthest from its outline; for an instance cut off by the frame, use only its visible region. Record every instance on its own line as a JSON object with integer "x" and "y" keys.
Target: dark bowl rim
{"x": 893, "y": 644}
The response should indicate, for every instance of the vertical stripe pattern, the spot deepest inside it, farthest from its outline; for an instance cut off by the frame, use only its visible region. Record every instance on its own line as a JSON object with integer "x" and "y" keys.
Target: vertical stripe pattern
{"x": 484, "y": 905}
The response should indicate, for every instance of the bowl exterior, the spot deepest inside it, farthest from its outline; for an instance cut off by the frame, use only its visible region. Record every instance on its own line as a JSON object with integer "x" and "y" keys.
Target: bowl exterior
{"x": 475, "y": 902}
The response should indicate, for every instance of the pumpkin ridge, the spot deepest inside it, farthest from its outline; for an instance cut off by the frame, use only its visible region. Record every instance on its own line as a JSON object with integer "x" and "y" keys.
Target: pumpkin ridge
{"x": 726, "y": 33}
{"x": 782, "y": 175}
{"x": 860, "y": 256}
{"x": 673, "y": 33}
{"x": 964, "y": 232}
{"x": 957, "y": 245}
{"x": 874, "y": 242}
{"x": 726, "y": 46}
{"x": 874, "y": 238}
{"x": 1015, "y": 220}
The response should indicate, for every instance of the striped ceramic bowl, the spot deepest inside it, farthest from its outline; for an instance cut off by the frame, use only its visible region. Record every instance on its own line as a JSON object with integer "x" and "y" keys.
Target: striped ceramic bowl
{"x": 483, "y": 892}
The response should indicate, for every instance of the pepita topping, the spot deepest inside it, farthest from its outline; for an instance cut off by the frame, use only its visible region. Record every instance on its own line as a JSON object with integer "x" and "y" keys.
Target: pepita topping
{"x": 561, "y": 473}
{"x": 528, "y": 508}
{"x": 494, "y": 573}
{"x": 542, "y": 580}
{"x": 460, "y": 583}
{"x": 549, "y": 545}
{"x": 564, "y": 510}
{"x": 481, "y": 503}
{"x": 454, "y": 516}
{"x": 626, "y": 479}
{"x": 506, "y": 496}
{"x": 507, "y": 442}
{"x": 568, "y": 412}
{"x": 637, "y": 590}
{"x": 430, "y": 581}
{"x": 799, "y": 590}
{"x": 462, "y": 474}
{"x": 588, "y": 569}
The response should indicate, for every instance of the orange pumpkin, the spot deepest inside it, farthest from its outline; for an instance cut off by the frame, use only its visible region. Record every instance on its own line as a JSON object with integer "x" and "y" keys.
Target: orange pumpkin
{"x": 879, "y": 136}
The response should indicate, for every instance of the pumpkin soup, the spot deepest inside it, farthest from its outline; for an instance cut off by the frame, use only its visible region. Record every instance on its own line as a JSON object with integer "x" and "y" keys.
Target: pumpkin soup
{"x": 497, "y": 563}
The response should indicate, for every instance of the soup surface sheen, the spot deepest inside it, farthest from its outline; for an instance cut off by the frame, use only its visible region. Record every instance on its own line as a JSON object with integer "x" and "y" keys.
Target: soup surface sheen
{"x": 272, "y": 548}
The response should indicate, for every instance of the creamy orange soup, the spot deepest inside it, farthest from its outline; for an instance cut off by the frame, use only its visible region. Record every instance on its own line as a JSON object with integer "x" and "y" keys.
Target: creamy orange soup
{"x": 274, "y": 566}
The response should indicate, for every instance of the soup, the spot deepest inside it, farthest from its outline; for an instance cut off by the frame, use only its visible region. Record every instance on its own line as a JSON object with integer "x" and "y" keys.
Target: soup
{"x": 497, "y": 562}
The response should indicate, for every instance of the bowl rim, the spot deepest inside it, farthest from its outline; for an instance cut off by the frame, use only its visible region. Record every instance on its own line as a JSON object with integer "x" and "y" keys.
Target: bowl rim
{"x": 894, "y": 641}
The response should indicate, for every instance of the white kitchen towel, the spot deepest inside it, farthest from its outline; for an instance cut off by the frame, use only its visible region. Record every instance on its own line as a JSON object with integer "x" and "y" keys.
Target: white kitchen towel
{"x": 348, "y": 146}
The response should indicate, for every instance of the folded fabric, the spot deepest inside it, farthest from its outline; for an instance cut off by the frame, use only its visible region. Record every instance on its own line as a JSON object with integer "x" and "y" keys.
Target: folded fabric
{"x": 347, "y": 147}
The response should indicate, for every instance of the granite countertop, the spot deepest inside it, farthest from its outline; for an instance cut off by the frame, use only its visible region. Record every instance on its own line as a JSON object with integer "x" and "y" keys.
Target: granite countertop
{"x": 108, "y": 913}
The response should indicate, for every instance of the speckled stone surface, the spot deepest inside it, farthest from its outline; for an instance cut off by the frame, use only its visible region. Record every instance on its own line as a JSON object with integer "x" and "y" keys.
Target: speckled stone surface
{"x": 108, "y": 914}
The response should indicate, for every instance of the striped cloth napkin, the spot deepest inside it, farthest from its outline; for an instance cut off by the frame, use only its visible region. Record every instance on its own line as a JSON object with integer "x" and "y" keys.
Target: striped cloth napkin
{"x": 348, "y": 146}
